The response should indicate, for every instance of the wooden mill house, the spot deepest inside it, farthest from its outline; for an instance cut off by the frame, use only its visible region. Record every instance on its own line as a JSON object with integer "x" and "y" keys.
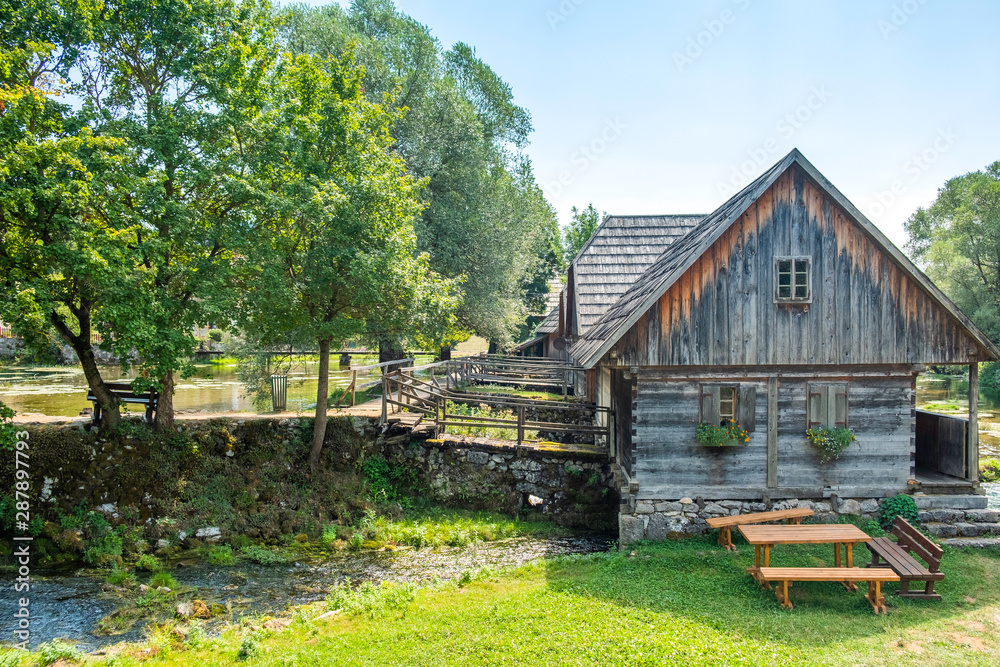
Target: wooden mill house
{"x": 783, "y": 310}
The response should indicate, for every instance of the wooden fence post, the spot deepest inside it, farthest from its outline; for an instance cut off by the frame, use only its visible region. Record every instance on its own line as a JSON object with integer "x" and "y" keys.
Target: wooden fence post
{"x": 385, "y": 403}
{"x": 354, "y": 385}
{"x": 399, "y": 391}
{"x": 520, "y": 425}
{"x": 564, "y": 373}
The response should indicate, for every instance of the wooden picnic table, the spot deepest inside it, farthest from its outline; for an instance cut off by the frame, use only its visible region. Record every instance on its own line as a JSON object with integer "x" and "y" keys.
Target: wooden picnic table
{"x": 766, "y": 536}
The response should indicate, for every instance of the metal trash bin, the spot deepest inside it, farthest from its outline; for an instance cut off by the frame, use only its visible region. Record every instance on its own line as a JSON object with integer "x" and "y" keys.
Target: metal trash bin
{"x": 279, "y": 392}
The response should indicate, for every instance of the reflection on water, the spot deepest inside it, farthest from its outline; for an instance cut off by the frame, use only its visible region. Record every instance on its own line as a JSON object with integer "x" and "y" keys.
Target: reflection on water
{"x": 945, "y": 392}
{"x": 62, "y": 391}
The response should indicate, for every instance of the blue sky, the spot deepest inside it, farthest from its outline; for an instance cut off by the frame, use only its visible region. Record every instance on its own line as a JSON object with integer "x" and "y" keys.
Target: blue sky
{"x": 668, "y": 107}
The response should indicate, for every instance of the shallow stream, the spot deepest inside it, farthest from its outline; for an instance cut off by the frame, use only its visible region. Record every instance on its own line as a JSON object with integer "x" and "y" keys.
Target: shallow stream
{"x": 68, "y": 604}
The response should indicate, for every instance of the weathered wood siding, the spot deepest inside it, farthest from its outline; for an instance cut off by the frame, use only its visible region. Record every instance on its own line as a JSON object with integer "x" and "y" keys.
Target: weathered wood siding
{"x": 864, "y": 309}
{"x": 669, "y": 464}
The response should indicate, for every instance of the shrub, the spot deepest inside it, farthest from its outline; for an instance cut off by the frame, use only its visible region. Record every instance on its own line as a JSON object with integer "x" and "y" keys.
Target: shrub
{"x": 370, "y": 598}
{"x": 104, "y": 545}
{"x": 262, "y": 556}
{"x": 215, "y": 335}
{"x": 899, "y": 505}
{"x": 8, "y": 435}
{"x": 989, "y": 470}
{"x": 221, "y": 555}
{"x": 377, "y": 472}
{"x": 248, "y": 648}
{"x": 162, "y": 579}
{"x": 55, "y": 650}
{"x": 357, "y": 539}
{"x": 830, "y": 441}
{"x": 119, "y": 577}
{"x": 148, "y": 563}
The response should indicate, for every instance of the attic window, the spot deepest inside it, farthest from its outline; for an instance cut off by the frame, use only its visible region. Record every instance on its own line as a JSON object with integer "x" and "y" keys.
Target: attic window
{"x": 793, "y": 280}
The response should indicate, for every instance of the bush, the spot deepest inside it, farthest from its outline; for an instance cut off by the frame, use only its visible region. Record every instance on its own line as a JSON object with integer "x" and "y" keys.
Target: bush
{"x": 262, "y": 556}
{"x": 248, "y": 648}
{"x": 215, "y": 335}
{"x": 56, "y": 650}
{"x": 104, "y": 545}
{"x": 148, "y": 563}
{"x": 900, "y": 505}
{"x": 221, "y": 555}
{"x": 989, "y": 470}
{"x": 8, "y": 435}
{"x": 370, "y": 598}
{"x": 162, "y": 579}
{"x": 119, "y": 577}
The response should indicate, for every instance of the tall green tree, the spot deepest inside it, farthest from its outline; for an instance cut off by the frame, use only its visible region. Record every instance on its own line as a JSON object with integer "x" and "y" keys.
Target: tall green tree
{"x": 957, "y": 241}
{"x": 582, "y": 226}
{"x": 179, "y": 81}
{"x": 336, "y": 256}
{"x": 486, "y": 222}
{"x": 63, "y": 258}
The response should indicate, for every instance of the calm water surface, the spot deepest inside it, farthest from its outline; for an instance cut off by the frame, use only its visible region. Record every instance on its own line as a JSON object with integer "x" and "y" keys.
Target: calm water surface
{"x": 62, "y": 391}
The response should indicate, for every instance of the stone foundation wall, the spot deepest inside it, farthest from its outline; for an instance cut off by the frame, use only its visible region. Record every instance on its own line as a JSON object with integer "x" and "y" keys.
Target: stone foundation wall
{"x": 664, "y": 519}
{"x": 572, "y": 488}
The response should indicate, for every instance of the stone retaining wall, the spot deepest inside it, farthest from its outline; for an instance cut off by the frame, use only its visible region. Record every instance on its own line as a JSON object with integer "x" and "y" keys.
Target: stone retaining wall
{"x": 572, "y": 488}
{"x": 663, "y": 519}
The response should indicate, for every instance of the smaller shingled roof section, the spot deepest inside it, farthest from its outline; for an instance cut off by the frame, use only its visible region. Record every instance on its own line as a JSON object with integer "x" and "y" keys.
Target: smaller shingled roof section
{"x": 550, "y": 324}
{"x": 619, "y": 251}
{"x": 678, "y": 257}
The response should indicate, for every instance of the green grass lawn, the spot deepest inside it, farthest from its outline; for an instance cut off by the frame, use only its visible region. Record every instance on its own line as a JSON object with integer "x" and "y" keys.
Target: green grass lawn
{"x": 676, "y": 603}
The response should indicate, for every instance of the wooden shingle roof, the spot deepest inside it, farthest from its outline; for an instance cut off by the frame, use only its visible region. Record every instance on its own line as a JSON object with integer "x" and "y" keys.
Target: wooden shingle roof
{"x": 551, "y": 322}
{"x": 678, "y": 257}
{"x": 620, "y": 250}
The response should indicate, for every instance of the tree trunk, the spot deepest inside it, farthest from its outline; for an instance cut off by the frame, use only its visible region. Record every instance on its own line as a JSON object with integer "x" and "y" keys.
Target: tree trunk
{"x": 164, "y": 418}
{"x": 390, "y": 350}
{"x": 322, "y": 395}
{"x": 493, "y": 348}
{"x": 446, "y": 352}
{"x": 109, "y": 403}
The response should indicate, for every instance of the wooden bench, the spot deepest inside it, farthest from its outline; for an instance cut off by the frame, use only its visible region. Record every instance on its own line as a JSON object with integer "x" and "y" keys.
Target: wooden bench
{"x": 849, "y": 576}
{"x": 897, "y": 557}
{"x": 725, "y": 523}
{"x": 125, "y": 394}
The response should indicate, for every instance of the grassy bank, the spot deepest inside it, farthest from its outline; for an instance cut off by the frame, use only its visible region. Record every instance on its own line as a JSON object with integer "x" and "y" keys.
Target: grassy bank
{"x": 680, "y": 603}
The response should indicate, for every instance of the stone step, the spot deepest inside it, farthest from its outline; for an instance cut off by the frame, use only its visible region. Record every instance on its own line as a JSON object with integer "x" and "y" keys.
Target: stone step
{"x": 978, "y": 542}
{"x": 957, "y": 516}
{"x": 962, "y": 529}
{"x": 950, "y": 502}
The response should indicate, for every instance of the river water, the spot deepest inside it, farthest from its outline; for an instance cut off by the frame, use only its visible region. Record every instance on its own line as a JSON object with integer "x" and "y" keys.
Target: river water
{"x": 62, "y": 390}
{"x": 68, "y": 604}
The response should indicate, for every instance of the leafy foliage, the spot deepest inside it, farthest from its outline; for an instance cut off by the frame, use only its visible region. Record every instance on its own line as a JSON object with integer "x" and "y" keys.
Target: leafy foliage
{"x": 989, "y": 470}
{"x": 830, "y": 441}
{"x": 370, "y": 598}
{"x": 899, "y": 505}
{"x": 711, "y": 435}
{"x": 957, "y": 240}
{"x": 8, "y": 434}
{"x": 486, "y": 222}
{"x": 581, "y": 227}
{"x": 57, "y": 650}
{"x": 263, "y": 556}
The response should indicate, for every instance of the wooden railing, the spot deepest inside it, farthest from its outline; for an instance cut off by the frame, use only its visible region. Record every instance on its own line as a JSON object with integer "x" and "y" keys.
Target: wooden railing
{"x": 6, "y": 331}
{"x": 403, "y": 390}
{"x": 530, "y": 373}
{"x": 352, "y": 386}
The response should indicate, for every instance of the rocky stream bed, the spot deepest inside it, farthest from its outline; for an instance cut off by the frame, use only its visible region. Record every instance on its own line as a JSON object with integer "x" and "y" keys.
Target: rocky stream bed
{"x": 69, "y": 604}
